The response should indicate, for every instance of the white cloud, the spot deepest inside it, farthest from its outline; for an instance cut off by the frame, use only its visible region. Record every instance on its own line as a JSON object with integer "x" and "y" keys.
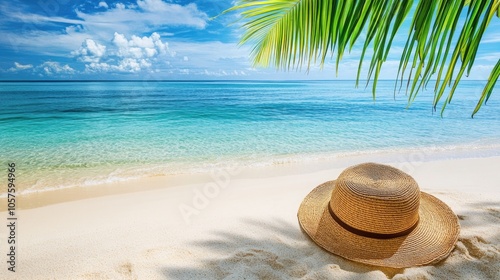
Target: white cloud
{"x": 123, "y": 55}
{"x": 50, "y": 68}
{"x": 141, "y": 17}
{"x": 120, "y": 6}
{"x": 138, "y": 47}
{"x": 491, "y": 38}
{"x": 146, "y": 16}
{"x": 103, "y": 5}
{"x": 133, "y": 65}
{"x": 40, "y": 19}
{"x": 90, "y": 51}
{"x": 45, "y": 42}
{"x": 22, "y": 67}
{"x": 174, "y": 13}
{"x": 19, "y": 67}
{"x": 98, "y": 67}
{"x": 127, "y": 65}
{"x": 222, "y": 73}
{"x": 492, "y": 56}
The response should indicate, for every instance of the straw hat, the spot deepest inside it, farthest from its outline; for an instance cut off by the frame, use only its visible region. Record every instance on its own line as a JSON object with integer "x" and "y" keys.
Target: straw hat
{"x": 376, "y": 214}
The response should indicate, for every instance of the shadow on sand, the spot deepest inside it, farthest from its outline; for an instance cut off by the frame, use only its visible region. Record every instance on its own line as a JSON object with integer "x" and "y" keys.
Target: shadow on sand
{"x": 288, "y": 254}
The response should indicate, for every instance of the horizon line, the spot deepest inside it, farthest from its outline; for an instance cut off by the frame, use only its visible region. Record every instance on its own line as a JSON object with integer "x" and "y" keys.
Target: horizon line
{"x": 197, "y": 80}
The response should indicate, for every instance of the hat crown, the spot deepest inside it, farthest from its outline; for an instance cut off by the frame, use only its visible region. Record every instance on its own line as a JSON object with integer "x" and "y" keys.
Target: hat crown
{"x": 376, "y": 198}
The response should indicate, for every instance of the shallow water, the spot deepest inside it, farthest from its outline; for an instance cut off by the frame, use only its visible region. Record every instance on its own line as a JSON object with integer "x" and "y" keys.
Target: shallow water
{"x": 66, "y": 134}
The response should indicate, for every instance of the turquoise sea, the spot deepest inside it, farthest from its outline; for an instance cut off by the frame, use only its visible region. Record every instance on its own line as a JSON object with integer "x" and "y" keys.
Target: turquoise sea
{"x": 68, "y": 134}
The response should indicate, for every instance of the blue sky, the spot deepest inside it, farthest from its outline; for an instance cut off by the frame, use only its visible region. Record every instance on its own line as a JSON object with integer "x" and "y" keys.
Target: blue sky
{"x": 154, "y": 39}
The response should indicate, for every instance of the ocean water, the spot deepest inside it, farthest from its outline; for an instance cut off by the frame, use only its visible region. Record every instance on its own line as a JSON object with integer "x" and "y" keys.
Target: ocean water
{"x": 70, "y": 134}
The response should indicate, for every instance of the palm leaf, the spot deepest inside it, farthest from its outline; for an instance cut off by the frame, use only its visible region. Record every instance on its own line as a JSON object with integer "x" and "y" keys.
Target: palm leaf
{"x": 292, "y": 34}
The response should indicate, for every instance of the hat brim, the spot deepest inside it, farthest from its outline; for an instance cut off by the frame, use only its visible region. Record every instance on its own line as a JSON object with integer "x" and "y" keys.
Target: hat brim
{"x": 431, "y": 241}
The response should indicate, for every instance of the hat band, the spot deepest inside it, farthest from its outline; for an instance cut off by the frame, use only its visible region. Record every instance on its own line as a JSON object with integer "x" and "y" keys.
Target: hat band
{"x": 367, "y": 233}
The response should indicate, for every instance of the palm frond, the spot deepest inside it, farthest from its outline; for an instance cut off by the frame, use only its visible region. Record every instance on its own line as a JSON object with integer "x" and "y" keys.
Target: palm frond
{"x": 291, "y": 34}
{"x": 488, "y": 89}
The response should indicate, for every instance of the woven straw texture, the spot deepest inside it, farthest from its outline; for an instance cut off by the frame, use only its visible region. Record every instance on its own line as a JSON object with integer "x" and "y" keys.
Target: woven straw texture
{"x": 383, "y": 200}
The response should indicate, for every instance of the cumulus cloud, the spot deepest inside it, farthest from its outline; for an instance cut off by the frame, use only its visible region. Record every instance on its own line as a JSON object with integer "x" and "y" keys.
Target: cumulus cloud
{"x": 130, "y": 65}
{"x": 90, "y": 51}
{"x": 99, "y": 24}
{"x": 138, "y": 47}
{"x": 50, "y": 68}
{"x": 20, "y": 67}
{"x": 123, "y": 37}
{"x": 120, "y": 6}
{"x": 103, "y": 5}
{"x": 122, "y": 54}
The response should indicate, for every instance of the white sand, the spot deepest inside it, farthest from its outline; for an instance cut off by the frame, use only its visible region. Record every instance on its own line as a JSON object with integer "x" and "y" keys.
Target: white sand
{"x": 247, "y": 229}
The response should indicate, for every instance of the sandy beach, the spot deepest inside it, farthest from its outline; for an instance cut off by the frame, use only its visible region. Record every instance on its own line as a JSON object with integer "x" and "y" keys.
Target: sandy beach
{"x": 242, "y": 224}
{"x": 160, "y": 139}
